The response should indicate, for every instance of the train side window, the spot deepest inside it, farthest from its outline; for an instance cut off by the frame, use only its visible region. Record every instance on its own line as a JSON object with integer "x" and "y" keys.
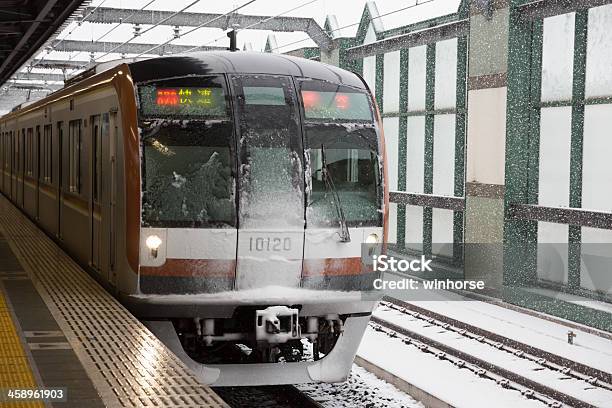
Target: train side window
{"x": 47, "y": 155}
{"x": 74, "y": 156}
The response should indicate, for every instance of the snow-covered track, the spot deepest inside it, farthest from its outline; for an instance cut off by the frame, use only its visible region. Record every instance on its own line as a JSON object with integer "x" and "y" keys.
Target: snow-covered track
{"x": 568, "y": 367}
{"x": 505, "y": 378}
{"x": 276, "y": 396}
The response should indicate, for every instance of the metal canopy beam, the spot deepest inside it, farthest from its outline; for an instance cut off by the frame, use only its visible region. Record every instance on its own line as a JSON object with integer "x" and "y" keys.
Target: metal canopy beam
{"x": 129, "y": 48}
{"x": 44, "y": 12}
{"x": 56, "y": 64}
{"x": 37, "y": 76}
{"x": 548, "y": 8}
{"x": 40, "y": 87}
{"x": 414, "y": 39}
{"x": 287, "y": 24}
{"x": 35, "y": 29}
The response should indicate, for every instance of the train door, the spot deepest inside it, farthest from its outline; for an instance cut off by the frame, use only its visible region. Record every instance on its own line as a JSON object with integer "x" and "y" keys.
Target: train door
{"x": 37, "y": 172}
{"x": 271, "y": 182}
{"x": 95, "y": 207}
{"x": 112, "y": 129}
{"x": 1, "y": 161}
{"x": 14, "y": 136}
{"x": 60, "y": 176}
{"x": 21, "y": 169}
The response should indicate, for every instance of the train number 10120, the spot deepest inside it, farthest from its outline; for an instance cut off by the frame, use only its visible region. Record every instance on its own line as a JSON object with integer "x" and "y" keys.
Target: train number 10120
{"x": 261, "y": 244}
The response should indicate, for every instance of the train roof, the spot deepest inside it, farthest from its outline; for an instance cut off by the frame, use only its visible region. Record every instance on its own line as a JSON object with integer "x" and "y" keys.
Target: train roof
{"x": 240, "y": 62}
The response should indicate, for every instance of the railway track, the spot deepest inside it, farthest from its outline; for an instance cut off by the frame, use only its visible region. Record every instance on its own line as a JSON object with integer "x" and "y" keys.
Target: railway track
{"x": 277, "y": 396}
{"x": 571, "y": 368}
{"x": 506, "y": 378}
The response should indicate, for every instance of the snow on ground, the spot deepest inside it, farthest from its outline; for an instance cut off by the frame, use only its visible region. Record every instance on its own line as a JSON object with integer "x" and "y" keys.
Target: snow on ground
{"x": 362, "y": 389}
{"x": 596, "y": 396}
{"x": 458, "y": 387}
{"x": 589, "y": 349}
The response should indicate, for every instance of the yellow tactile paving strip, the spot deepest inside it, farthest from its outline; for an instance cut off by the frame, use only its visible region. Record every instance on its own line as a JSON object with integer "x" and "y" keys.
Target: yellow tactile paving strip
{"x": 15, "y": 370}
{"x": 127, "y": 364}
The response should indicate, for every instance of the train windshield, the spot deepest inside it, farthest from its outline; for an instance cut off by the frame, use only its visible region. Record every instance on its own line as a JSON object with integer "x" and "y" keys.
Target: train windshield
{"x": 341, "y": 144}
{"x": 187, "y": 161}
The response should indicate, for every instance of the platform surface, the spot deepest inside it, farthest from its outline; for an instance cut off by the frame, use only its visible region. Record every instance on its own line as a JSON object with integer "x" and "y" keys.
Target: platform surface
{"x": 60, "y": 329}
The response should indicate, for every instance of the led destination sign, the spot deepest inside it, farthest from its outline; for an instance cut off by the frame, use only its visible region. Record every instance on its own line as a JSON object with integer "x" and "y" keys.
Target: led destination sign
{"x": 185, "y": 96}
{"x": 182, "y": 101}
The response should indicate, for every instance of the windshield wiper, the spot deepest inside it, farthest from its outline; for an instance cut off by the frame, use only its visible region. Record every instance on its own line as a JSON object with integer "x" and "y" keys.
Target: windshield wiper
{"x": 345, "y": 236}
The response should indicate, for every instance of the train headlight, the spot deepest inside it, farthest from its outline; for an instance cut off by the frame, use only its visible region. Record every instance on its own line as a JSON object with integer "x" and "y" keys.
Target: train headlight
{"x": 153, "y": 242}
{"x": 372, "y": 239}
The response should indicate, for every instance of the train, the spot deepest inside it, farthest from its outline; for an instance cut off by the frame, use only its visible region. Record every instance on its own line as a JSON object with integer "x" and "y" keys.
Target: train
{"x": 225, "y": 198}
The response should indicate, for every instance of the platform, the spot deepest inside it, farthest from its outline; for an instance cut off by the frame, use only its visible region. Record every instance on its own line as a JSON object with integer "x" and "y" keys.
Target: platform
{"x": 60, "y": 329}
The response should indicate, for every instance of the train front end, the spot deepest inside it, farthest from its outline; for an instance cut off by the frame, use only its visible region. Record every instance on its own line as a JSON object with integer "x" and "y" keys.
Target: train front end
{"x": 259, "y": 192}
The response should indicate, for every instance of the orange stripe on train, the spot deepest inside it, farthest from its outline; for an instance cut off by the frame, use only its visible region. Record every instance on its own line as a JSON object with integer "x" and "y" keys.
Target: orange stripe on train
{"x": 334, "y": 267}
{"x": 209, "y": 268}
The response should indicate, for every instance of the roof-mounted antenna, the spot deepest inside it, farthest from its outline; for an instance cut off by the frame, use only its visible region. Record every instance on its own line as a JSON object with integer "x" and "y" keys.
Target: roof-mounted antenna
{"x": 233, "y": 43}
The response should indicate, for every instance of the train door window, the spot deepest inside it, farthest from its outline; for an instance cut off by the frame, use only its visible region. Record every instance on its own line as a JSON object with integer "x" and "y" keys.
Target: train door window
{"x": 37, "y": 154}
{"x": 271, "y": 151}
{"x": 26, "y": 148}
{"x": 29, "y": 152}
{"x": 97, "y": 159}
{"x": 74, "y": 156}
{"x": 18, "y": 149}
{"x": 47, "y": 155}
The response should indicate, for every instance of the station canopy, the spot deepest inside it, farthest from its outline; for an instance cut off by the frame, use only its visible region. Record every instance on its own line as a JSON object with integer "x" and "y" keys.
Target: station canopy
{"x": 105, "y": 30}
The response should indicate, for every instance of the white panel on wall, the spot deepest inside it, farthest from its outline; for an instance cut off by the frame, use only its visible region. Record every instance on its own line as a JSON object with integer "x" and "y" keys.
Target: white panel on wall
{"x": 558, "y": 57}
{"x": 392, "y": 223}
{"x": 596, "y": 260}
{"x": 486, "y": 137}
{"x": 391, "y": 128}
{"x": 552, "y": 252}
{"x": 599, "y": 52}
{"x": 391, "y": 81}
{"x": 446, "y": 74}
{"x": 596, "y": 154}
{"x": 416, "y": 78}
{"x": 415, "y": 153}
{"x": 369, "y": 63}
{"x": 369, "y": 73}
{"x": 555, "y": 134}
{"x": 442, "y": 232}
{"x": 444, "y": 155}
{"x": 414, "y": 227}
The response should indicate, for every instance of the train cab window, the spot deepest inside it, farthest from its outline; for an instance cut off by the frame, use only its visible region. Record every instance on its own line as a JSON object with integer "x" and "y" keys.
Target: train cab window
{"x": 74, "y": 156}
{"x": 342, "y": 145}
{"x": 46, "y": 156}
{"x": 187, "y": 154}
